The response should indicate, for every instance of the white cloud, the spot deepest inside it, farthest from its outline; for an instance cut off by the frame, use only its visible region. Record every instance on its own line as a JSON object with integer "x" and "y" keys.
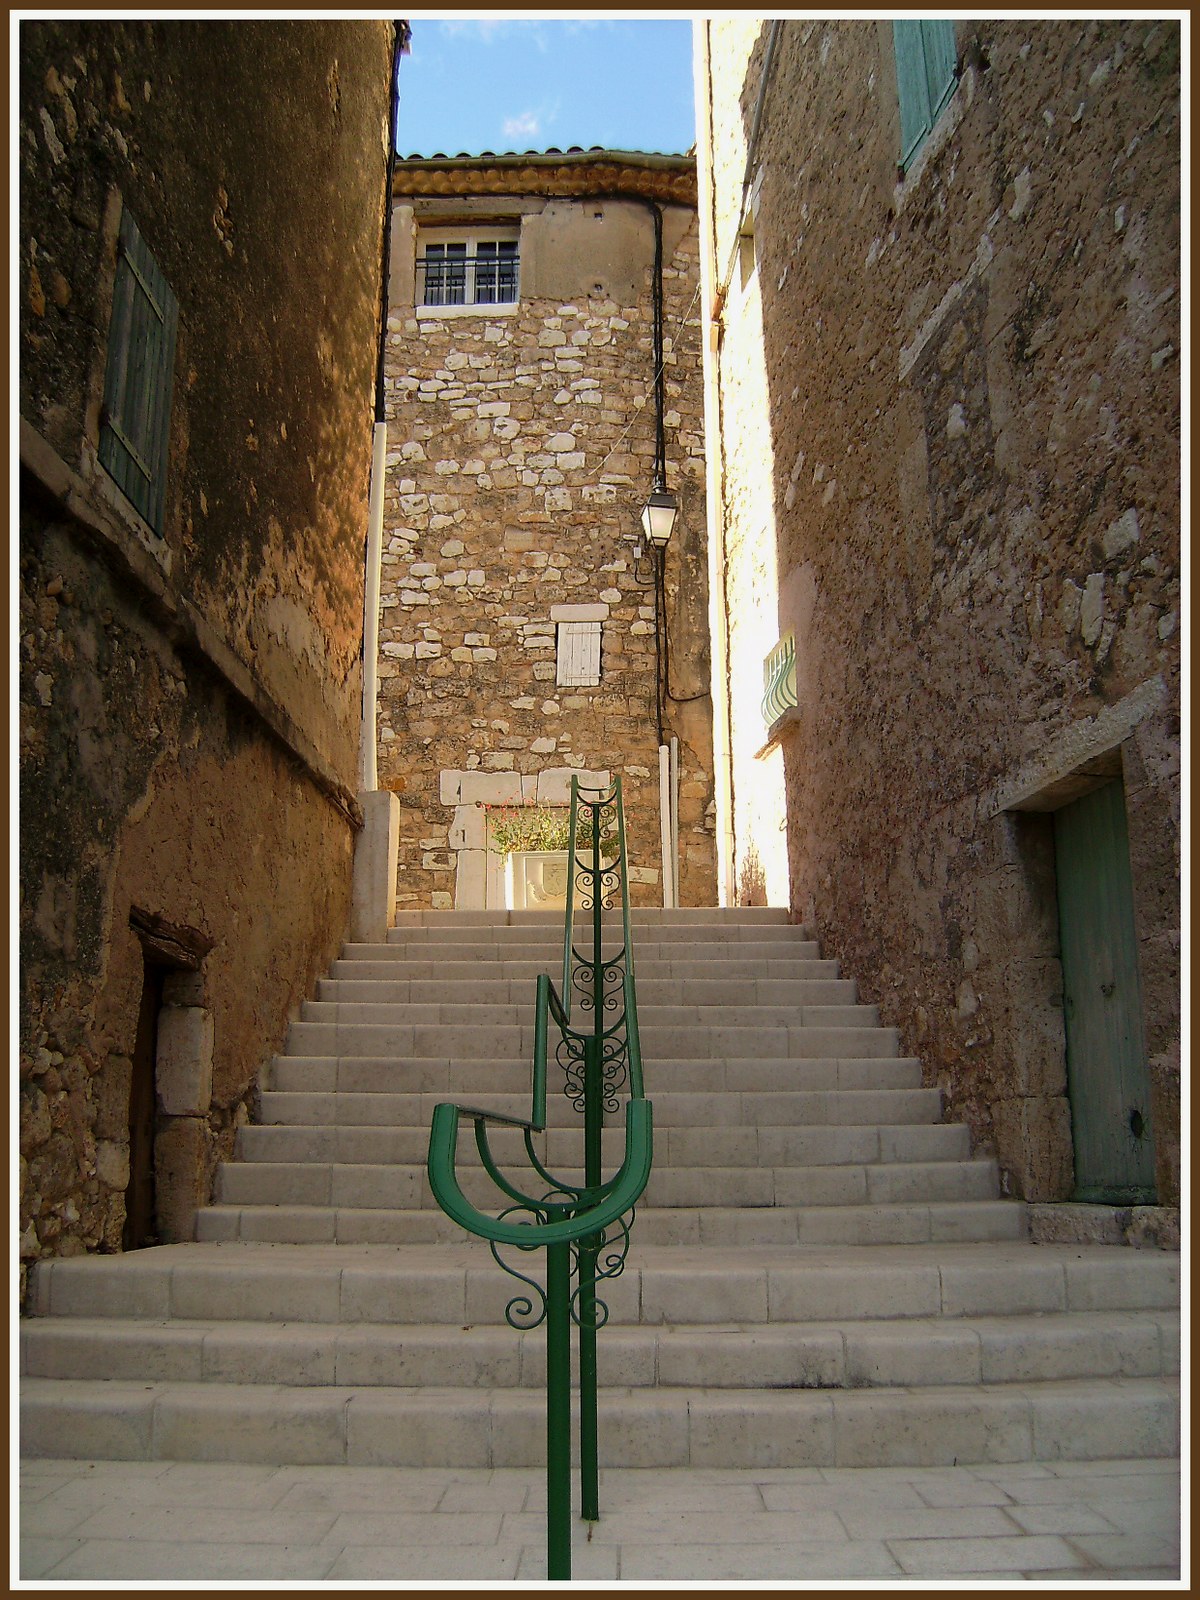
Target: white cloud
{"x": 480, "y": 31}
{"x": 523, "y": 126}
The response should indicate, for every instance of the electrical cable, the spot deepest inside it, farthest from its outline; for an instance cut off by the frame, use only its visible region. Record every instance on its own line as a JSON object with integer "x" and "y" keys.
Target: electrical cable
{"x": 401, "y": 37}
{"x": 625, "y": 433}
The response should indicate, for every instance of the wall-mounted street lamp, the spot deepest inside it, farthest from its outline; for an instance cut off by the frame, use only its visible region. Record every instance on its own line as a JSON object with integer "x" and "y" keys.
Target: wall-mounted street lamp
{"x": 658, "y": 521}
{"x": 659, "y": 513}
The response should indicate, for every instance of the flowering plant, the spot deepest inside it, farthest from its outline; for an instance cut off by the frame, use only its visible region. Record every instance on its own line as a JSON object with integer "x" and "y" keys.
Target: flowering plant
{"x": 534, "y": 827}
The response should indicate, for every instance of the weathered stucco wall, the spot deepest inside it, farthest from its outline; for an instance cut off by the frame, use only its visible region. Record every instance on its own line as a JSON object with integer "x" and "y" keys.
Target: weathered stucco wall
{"x": 971, "y": 393}
{"x": 521, "y": 449}
{"x": 190, "y": 702}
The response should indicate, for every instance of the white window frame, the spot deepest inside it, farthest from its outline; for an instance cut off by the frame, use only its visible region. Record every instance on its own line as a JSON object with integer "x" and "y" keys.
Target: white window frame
{"x": 578, "y": 654}
{"x": 467, "y": 243}
{"x": 578, "y": 635}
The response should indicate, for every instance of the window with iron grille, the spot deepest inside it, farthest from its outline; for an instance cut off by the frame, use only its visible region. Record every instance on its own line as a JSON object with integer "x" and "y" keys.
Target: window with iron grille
{"x": 135, "y": 422}
{"x": 468, "y": 270}
{"x": 926, "y": 73}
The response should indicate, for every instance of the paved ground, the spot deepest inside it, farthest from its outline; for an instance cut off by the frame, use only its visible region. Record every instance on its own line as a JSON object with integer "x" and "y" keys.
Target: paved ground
{"x": 1089, "y": 1522}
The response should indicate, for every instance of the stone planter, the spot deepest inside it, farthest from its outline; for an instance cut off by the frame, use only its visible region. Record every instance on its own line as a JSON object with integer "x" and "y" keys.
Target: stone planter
{"x": 536, "y": 880}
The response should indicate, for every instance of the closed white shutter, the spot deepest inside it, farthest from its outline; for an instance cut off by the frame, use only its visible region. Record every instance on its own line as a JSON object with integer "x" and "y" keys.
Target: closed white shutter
{"x": 578, "y": 654}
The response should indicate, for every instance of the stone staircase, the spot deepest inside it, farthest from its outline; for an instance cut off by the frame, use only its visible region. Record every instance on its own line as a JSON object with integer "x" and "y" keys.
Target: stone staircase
{"x": 820, "y": 1273}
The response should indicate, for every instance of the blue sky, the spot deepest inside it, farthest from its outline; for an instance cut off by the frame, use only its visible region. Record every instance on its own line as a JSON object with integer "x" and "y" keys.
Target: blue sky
{"x": 490, "y": 83}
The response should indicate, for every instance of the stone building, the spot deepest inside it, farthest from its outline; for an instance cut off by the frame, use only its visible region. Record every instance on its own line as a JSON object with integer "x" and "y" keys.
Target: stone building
{"x": 520, "y": 639}
{"x": 193, "y": 509}
{"x": 942, "y": 279}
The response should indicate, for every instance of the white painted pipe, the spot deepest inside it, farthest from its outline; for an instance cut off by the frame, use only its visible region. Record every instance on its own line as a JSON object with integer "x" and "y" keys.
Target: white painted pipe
{"x": 664, "y": 823}
{"x": 674, "y": 820}
{"x": 718, "y": 612}
{"x": 367, "y": 769}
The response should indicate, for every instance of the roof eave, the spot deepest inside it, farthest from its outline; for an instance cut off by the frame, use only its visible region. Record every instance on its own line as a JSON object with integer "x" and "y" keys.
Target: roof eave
{"x": 645, "y": 175}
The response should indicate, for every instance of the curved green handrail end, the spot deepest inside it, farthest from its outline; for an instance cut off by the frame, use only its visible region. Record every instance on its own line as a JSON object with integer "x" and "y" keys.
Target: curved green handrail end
{"x": 625, "y": 1191}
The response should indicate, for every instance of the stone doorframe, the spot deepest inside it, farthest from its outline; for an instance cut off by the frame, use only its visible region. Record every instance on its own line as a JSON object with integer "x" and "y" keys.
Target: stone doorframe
{"x": 183, "y": 1068}
{"x": 1018, "y": 903}
{"x": 479, "y": 874}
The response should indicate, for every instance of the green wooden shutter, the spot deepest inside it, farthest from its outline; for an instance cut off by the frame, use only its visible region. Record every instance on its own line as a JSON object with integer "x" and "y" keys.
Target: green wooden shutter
{"x": 940, "y": 64}
{"x": 1107, "y": 1073}
{"x": 138, "y": 378}
{"x": 925, "y": 76}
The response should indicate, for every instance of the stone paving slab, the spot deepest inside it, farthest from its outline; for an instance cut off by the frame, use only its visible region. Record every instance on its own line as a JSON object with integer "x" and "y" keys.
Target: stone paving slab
{"x": 1082, "y": 1523}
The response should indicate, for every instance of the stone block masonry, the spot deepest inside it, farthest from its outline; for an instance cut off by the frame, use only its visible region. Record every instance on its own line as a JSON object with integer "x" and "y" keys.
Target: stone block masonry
{"x": 521, "y": 448}
{"x": 949, "y": 398}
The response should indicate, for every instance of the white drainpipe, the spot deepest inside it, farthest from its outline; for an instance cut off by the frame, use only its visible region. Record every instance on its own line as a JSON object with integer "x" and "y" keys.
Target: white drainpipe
{"x": 368, "y": 774}
{"x": 674, "y": 820}
{"x": 664, "y": 821}
{"x": 367, "y": 765}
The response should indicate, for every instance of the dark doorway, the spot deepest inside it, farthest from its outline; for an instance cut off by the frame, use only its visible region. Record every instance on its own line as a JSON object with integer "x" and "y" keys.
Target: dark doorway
{"x": 1107, "y": 1079}
{"x": 140, "y": 1222}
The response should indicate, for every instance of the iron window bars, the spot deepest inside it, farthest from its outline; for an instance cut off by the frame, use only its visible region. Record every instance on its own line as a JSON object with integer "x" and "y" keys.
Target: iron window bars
{"x": 451, "y": 277}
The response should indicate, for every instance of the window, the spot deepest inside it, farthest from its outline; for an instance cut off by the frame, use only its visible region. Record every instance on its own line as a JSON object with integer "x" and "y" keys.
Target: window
{"x": 779, "y": 679}
{"x": 577, "y": 631}
{"x": 468, "y": 270}
{"x": 578, "y": 654}
{"x": 138, "y": 376}
{"x": 746, "y": 249}
{"x": 926, "y": 72}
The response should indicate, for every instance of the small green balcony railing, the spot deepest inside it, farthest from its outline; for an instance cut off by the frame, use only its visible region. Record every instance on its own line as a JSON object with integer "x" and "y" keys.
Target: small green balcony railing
{"x": 584, "y": 1228}
{"x": 779, "y": 680}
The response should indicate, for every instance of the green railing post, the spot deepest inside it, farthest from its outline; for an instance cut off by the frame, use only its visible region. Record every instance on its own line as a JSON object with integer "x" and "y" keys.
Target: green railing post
{"x": 593, "y": 1126}
{"x": 588, "y": 1248}
{"x": 589, "y": 1456}
{"x": 558, "y": 1411}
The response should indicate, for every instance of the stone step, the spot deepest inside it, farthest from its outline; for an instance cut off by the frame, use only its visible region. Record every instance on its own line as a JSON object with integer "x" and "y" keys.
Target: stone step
{"x": 343, "y": 1185}
{"x": 461, "y": 1284}
{"x": 753, "y": 1226}
{"x": 766, "y": 1108}
{"x": 820, "y": 1273}
{"x": 864, "y": 1354}
{"x": 370, "y": 966}
{"x": 739, "y": 993}
{"x": 640, "y": 917}
{"x": 464, "y": 1078}
{"x": 749, "y": 1146}
{"x": 121, "y": 1420}
{"x": 550, "y": 931}
{"x": 472, "y": 1012}
{"x": 456, "y": 1041}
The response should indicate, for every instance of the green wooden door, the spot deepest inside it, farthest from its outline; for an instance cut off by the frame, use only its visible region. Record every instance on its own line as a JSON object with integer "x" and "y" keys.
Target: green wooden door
{"x": 1102, "y": 1001}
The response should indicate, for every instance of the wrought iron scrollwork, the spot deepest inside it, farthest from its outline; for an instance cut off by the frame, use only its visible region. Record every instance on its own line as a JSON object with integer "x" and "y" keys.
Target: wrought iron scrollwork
{"x": 569, "y": 1055}
{"x": 605, "y": 976}
{"x": 520, "y": 1311}
{"x": 614, "y": 1064}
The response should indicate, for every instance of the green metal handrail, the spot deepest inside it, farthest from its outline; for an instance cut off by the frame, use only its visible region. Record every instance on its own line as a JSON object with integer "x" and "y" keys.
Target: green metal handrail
{"x": 585, "y": 1221}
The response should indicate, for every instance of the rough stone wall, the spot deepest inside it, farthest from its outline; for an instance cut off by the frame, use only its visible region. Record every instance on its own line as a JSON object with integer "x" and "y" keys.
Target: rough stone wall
{"x": 521, "y": 448}
{"x": 972, "y": 384}
{"x": 189, "y": 703}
